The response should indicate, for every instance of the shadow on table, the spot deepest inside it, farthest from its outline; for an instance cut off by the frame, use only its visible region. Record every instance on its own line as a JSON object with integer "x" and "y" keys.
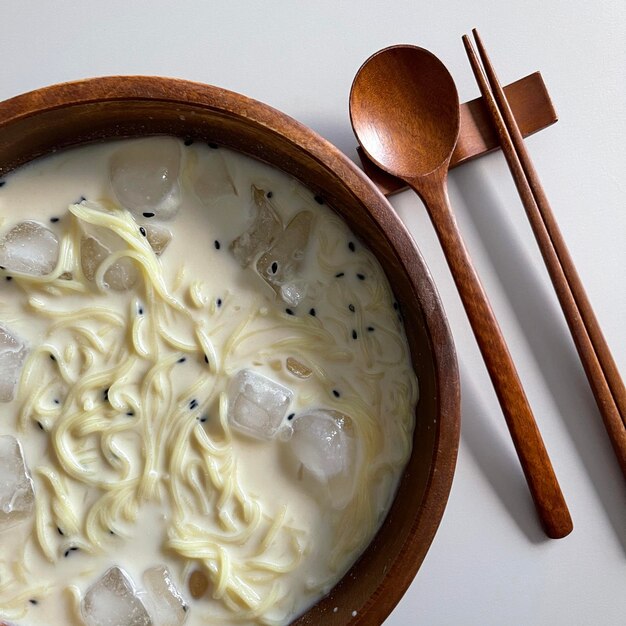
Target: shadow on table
{"x": 554, "y": 352}
{"x": 498, "y": 462}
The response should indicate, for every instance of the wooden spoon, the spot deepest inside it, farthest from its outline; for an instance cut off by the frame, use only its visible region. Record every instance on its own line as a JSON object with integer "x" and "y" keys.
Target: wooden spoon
{"x": 404, "y": 109}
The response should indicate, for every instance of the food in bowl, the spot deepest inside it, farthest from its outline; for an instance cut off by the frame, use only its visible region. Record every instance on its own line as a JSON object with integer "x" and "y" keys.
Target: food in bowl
{"x": 209, "y": 396}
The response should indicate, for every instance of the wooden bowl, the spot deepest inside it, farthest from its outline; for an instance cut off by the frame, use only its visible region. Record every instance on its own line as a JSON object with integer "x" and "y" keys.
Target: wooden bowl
{"x": 66, "y": 115}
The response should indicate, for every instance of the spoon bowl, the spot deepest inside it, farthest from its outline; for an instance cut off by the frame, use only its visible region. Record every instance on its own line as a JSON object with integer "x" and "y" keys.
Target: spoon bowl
{"x": 408, "y": 92}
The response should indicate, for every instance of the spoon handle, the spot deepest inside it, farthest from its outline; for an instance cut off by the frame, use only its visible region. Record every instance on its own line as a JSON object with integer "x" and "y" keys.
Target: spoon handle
{"x": 540, "y": 476}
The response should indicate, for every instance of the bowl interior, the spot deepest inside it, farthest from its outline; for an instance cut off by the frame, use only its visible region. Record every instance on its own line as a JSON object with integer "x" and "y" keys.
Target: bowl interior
{"x": 66, "y": 115}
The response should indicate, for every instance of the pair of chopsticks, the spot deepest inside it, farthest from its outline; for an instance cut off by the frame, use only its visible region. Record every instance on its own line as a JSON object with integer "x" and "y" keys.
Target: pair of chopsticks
{"x": 602, "y": 373}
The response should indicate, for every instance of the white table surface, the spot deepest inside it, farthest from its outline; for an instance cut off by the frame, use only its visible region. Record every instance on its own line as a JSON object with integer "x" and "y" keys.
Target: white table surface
{"x": 489, "y": 564}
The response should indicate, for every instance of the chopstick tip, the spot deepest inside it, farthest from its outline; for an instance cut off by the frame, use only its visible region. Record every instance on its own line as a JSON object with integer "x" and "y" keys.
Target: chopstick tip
{"x": 471, "y": 52}
{"x": 479, "y": 43}
{"x": 467, "y": 42}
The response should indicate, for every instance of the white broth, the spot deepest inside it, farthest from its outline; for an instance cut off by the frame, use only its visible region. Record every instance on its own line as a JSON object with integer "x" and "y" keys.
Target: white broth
{"x": 211, "y": 377}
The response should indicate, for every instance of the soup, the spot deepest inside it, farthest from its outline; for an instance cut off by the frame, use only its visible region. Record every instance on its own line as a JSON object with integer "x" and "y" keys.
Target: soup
{"x": 207, "y": 394}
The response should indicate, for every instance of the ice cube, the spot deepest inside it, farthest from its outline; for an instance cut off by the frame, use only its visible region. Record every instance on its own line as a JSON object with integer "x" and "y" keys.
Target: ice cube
{"x": 158, "y": 237}
{"x": 293, "y": 292}
{"x": 144, "y": 177}
{"x": 213, "y": 180}
{"x": 112, "y": 601}
{"x": 168, "y": 607}
{"x": 92, "y": 253}
{"x": 120, "y": 276}
{"x": 262, "y": 233}
{"x": 280, "y": 266}
{"x": 324, "y": 443}
{"x": 29, "y": 248}
{"x": 13, "y": 352}
{"x": 257, "y": 405}
{"x": 17, "y": 496}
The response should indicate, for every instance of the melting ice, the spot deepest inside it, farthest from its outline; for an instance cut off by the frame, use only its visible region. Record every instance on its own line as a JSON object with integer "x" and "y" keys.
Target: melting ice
{"x": 113, "y": 601}
{"x": 323, "y": 441}
{"x": 261, "y": 234}
{"x": 12, "y": 355}
{"x": 29, "y": 248}
{"x": 17, "y": 496}
{"x": 168, "y": 607}
{"x": 257, "y": 405}
{"x": 280, "y": 266}
{"x": 144, "y": 177}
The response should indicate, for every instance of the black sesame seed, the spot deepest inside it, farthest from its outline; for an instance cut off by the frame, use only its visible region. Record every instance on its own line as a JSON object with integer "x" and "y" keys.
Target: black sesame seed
{"x": 217, "y": 244}
{"x": 361, "y": 276}
{"x": 130, "y": 414}
{"x": 351, "y": 307}
{"x": 2, "y": 267}
{"x": 351, "y": 246}
{"x": 219, "y": 302}
{"x": 206, "y": 358}
{"x": 33, "y": 601}
{"x": 188, "y": 141}
{"x": 289, "y": 312}
{"x": 111, "y": 532}
{"x": 40, "y": 425}
{"x": 73, "y": 549}
{"x": 9, "y": 278}
{"x": 336, "y": 393}
{"x": 185, "y": 608}
{"x": 182, "y": 359}
{"x": 395, "y": 306}
{"x": 274, "y": 267}
{"x": 370, "y": 329}
{"x": 57, "y": 401}
{"x": 312, "y": 312}
{"x": 140, "y": 310}
{"x": 60, "y": 532}
{"x": 3, "y": 183}
{"x": 106, "y": 394}
{"x": 142, "y": 230}
{"x": 354, "y": 335}
{"x": 212, "y": 145}
{"x": 204, "y": 418}
{"x": 319, "y": 199}
{"x": 148, "y": 214}
{"x": 54, "y": 220}
{"x": 339, "y": 275}
{"x": 291, "y": 416}
{"x": 270, "y": 194}
{"x": 52, "y": 357}
{"x": 193, "y": 405}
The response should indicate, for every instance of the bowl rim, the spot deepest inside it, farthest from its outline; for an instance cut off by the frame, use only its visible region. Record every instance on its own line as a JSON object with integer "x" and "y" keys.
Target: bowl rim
{"x": 121, "y": 88}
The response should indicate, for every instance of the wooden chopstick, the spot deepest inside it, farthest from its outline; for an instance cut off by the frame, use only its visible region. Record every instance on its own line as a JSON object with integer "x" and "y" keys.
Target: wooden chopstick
{"x": 600, "y": 368}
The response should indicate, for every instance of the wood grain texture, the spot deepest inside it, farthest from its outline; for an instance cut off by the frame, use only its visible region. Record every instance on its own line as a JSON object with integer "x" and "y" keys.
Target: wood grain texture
{"x": 404, "y": 96}
{"x": 531, "y": 106}
{"x": 599, "y": 365}
{"x": 71, "y": 114}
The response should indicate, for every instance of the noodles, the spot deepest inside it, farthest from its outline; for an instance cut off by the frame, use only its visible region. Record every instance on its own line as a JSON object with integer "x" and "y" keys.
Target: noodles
{"x": 129, "y": 389}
